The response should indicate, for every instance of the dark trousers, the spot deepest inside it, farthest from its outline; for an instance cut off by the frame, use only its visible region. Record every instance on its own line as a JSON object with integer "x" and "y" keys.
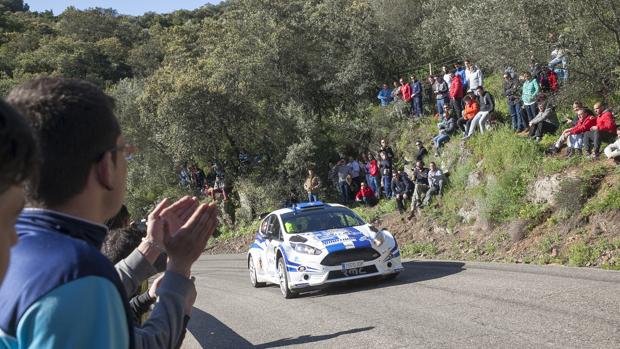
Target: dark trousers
{"x": 514, "y": 107}
{"x": 369, "y": 201}
{"x": 541, "y": 128}
{"x": 530, "y": 114}
{"x": 400, "y": 202}
{"x": 416, "y": 106}
{"x": 463, "y": 124}
{"x": 345, "y": 192}
{"x": 457, "y": 106}
{"x": 596, "y": 137}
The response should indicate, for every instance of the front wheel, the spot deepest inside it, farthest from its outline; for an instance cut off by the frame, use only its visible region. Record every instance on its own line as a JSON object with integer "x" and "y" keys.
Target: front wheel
{"x": 283, "y": 275}
{"x": 252, "y": 270}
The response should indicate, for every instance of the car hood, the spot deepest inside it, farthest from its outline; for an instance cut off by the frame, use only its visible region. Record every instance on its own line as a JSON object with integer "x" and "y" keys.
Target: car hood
{"x": 340, "y": 239}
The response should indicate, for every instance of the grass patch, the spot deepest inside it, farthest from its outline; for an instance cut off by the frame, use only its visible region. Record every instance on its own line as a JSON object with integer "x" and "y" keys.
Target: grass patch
{"x": 581, "y": 255}
{"x": 608, "y": 202}
{"x": 225, "y": 232}
{"x": 548, "y": 242}
{"x": 417, "y": 248}
{"x": 370, "y": 214}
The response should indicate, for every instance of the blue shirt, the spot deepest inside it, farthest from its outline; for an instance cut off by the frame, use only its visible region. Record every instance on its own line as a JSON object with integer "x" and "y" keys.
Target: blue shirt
{"x": 60, "y": 291}
{"x": 385, "y": 96}
{"x": 416, "y": 89}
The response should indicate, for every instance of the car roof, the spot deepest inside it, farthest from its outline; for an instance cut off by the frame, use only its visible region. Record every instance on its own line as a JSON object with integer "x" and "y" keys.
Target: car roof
{"x": 305, "y": 205}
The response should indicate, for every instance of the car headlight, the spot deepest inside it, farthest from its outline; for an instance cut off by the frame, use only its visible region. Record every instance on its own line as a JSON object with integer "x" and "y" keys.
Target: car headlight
{"x": 379, "y": 238}
{"x": 307, "y": 249}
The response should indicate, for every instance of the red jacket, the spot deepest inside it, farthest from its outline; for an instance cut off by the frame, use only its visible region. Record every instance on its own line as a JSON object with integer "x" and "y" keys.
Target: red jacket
{"x": 364, "y": 193}
{"x": 553, "y": 80}
{"x": 374, "y": 169}
{"x": 456, "y": 87}
{"x": 605, "y": 122}
{"x": 583, "y": 125}
{"x": 405, "y": 90}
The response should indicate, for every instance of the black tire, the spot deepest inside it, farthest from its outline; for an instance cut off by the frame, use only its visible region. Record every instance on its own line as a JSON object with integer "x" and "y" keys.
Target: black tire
{"x": 283, "y": 275}
{"x": 391, "y": 276}
{"x": 252, "y": 270}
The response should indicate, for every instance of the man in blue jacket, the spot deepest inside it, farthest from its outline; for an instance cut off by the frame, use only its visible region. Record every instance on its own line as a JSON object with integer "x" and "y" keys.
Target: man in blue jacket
{"x": 385, "y": 95}
{"x": 416, "y": 96}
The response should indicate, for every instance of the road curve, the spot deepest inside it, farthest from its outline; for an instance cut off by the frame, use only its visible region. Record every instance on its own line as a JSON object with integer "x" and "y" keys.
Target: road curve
{"x": 432, "y": 304}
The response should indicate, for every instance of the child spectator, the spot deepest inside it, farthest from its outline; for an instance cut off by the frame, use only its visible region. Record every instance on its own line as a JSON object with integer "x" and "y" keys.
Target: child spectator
{"x": 604, "y": 130}
{"x": 366, "y": 195}
{"x": 546, "y": 121}
{"x": 312, "y": 185}
{"x": 471, "y": 109}
{"x": 612, "y": 151}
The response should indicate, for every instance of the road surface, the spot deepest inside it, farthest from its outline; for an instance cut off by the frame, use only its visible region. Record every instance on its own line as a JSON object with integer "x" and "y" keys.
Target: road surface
{"x": 432, "y": 304}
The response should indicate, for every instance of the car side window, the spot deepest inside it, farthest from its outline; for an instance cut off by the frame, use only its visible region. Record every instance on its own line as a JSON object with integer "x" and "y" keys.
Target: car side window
{"x": 275, "y": 228}
{"x": 264, "y": 227}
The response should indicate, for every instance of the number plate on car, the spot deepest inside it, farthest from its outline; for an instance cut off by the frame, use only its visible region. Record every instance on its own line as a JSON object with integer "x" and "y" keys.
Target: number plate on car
{"x": 351, "y": 265}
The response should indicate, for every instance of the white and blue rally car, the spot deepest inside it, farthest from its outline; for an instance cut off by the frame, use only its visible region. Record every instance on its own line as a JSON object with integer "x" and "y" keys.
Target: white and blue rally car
{"x": 312, "y": 245}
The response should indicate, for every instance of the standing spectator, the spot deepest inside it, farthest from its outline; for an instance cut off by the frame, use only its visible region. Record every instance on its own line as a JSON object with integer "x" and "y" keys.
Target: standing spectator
{"x": 604, "y": 130}
{"x": 312, "y": 185}
{"x": 396, "y": 95}
{"x": 386, "y": 174}
{"x": 400, "y": 188}
{"x": 428, "y": 92}
{"x": 219, "y": 186}
{"x": 473, "y": 76}
{"x": 416, "y": 96}
{"x": 373, "y": 174}
{"x": 385, "y": 95}
{"x": 512, "y": 93}
{"x": 184, "y": 176}
{"x": 487, "y": 106}
{"x": 546, "y": 121}
{"x": 422, "y": 151}
{"x": 612, "y": 151}
{"x": 18, "y": 162}
{"x": 343, "y": 170}
{"x": 72, "y": 293}
{"x": 460, "y": 72}
{"x": 420, "y": 179}
{"x": 435, "y": 183}
{"x": 456, "y": 94}
{"x": 387, "y": 150}
{"x": 552, "y": 79}
{"x": 446, "y": 74}
{"x": 574, "y": 135}
{"x": 442, "y": 94}
{"x": 471, "y": 109}
{"x": 356, "y": 172}
{"x": 405, "y": 91}
{"x": 529, "y": 94}
{"x": 366, "y": 195}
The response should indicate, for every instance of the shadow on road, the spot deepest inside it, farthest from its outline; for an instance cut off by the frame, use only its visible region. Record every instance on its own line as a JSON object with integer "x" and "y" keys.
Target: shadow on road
{"x": 212, "y": 333}
{"x": 415, "y": 271}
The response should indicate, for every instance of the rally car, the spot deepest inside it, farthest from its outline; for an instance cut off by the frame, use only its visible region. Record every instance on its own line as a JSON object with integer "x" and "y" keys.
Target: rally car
{"x": 312, "y": 245}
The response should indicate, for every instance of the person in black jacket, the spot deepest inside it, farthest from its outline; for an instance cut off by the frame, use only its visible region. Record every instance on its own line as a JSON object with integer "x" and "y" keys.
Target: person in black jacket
{"x": 422, "y": 151}
{"x": 512, "y": 94}
{"x": 400, "y": 187}
{"x": 420, "y": 178}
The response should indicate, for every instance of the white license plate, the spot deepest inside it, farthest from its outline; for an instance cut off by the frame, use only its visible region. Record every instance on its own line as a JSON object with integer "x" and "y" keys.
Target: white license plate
{"x": 351, "y": 265}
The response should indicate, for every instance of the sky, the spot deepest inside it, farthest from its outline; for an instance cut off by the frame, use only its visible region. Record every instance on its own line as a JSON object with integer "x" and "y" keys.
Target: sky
{"x": 126, "y": 7}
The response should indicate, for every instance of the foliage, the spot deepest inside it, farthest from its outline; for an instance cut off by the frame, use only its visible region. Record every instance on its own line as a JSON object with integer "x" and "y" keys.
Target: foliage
{"x": 412, "y": 249}
{"x": 370, "y": 214}
{"x": 609, "y": 201}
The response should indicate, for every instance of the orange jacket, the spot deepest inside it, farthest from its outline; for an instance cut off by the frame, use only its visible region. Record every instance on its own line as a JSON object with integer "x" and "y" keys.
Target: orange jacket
{"x": 471, "y": 109}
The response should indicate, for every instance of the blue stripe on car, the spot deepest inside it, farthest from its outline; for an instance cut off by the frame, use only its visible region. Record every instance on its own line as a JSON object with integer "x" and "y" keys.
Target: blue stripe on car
{"x": 335, "y": 247}
{"x": 255, "y": 245}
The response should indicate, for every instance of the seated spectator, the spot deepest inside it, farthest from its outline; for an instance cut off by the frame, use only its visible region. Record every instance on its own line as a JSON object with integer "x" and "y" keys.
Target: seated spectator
{"x": 604, "y": 130}
{"x": 546, "y": 121}
{"x": 422, "y": 151}
{"x": 18, "y": 162}
{"x": 612, "y": 151}
{"x": 574, "y": 135}
{"x": 404, "y": 177}
{"x": 446, "y": 128}
{"x": 219, "y": 186}
{"x": 469, "y": 112}
{"x": 435, "y": 183}
{"x": 312, "y": 185}
{"x": 366, "y": 195}
{"x": 486, "y": 108}
{"x": 400, "y": 188}
{"x": 385, "y": 95}
{"x": 420, "y": 178}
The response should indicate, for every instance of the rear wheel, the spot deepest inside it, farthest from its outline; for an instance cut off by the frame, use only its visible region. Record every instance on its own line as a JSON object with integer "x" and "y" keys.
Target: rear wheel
{"x": 283, "y": 276}
{"x": 252, "y": 270}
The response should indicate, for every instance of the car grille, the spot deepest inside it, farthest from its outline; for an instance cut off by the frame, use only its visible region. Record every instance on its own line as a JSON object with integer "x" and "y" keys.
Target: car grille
{"x": 338, "y": 274}
{"x": 357, "y": 254}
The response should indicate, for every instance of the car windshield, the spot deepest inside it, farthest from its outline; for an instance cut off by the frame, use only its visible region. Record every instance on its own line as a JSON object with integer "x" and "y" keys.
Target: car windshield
{"x": 320, "y": 219}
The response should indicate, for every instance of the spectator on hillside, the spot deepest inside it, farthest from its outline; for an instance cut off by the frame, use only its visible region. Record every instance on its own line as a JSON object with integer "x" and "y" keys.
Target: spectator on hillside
{"x": 365, "y": 195}
{"x": 422, "y": 151}
{"x": 400, "y": 187}
{"x": 184, "y": 176}
{"x": 546, "y": 121}
{"x": 396, "y": 95}
{"x": 385, "y": 95}
{"x": 198, "y": 177}
{"x": 58, "y": 256}
{"x": 529, "y": 94}
{"x": 446, "y": 75}
{"x": 574, "y": 135}
{"x": 405, "y": 91}
{"x": 343, "y": 170}
{"x": 487, "y": 106}
{"x": 386, "y": 174}
{"x": 18, "y": 162}
{"x": 374, "y": 175}
{"x": 552, "y": 80}
{"x": 446, "y": 128}
{"x": 612, "y": 151}
{"x": 471, "y": 109}
{"x": 387, "y": 150}
{"x": 429, "y": 94}
{"x": 460, "y": 72}
{"x": 312, "y": 186}
{"x": 442, "y": 94}
{"x": 604, "y": 130}
{"x": 512, "y": 93}
{"x": 356, "y": 171}
{"x": 558, "y": 56}
{"x": 473, "y": 76}
{"x": 456, "y": 94}
{"x": 219, "y": 187}
{"x": 416, "y": 96}
{"x": 420, "y": 180}
{"x": 435, "y": 182}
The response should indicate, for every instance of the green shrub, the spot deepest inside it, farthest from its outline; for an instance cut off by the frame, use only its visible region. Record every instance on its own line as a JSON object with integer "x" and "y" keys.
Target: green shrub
{"x": 580, "y": 254}
{"x": 606, "y": 203}
{"x": 416, "y": 248}
{"x": 548, "y": 242}
{"x": 370, "y": 214}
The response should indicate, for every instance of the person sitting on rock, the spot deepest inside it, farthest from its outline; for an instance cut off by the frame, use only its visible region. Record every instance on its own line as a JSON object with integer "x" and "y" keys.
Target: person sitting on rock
{"x": 400, "y": 187}
{"x": 470, "y": 110}
{"x": 435, "y": 183}
{"x": 574, "y": 135}
{"x": 446, "y": 128}
{"x": 604, "y": 130}
{"x": 546, "y": 121}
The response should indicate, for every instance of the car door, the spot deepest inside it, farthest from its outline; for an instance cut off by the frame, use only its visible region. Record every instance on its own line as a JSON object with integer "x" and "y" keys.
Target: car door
{"x": 261, "y": 244}
{"x": 272, "y": 243}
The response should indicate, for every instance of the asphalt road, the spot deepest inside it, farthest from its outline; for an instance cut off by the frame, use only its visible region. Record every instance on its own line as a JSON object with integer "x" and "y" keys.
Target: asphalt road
{"x": 430, "y": 305}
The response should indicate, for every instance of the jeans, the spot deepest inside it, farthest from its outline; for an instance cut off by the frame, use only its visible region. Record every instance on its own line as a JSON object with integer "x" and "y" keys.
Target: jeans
{"x": 514, "y": 108}
{"x": 440, "y": 103}
{"x": 344, "y": 192}
{"x": 433, "y": 190}
{"x": 416, "y": 106}
{"x": 562, "y": 73}
{"x": 478, "y": 120}
{"x": 463, "y": 124}
{"x": 312, "y": 197}
{"x": 439, "y": 140}
{"x": 387, "y": 186}
{"x": 374, "y": 185}
{"x": 530, "y": 111}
